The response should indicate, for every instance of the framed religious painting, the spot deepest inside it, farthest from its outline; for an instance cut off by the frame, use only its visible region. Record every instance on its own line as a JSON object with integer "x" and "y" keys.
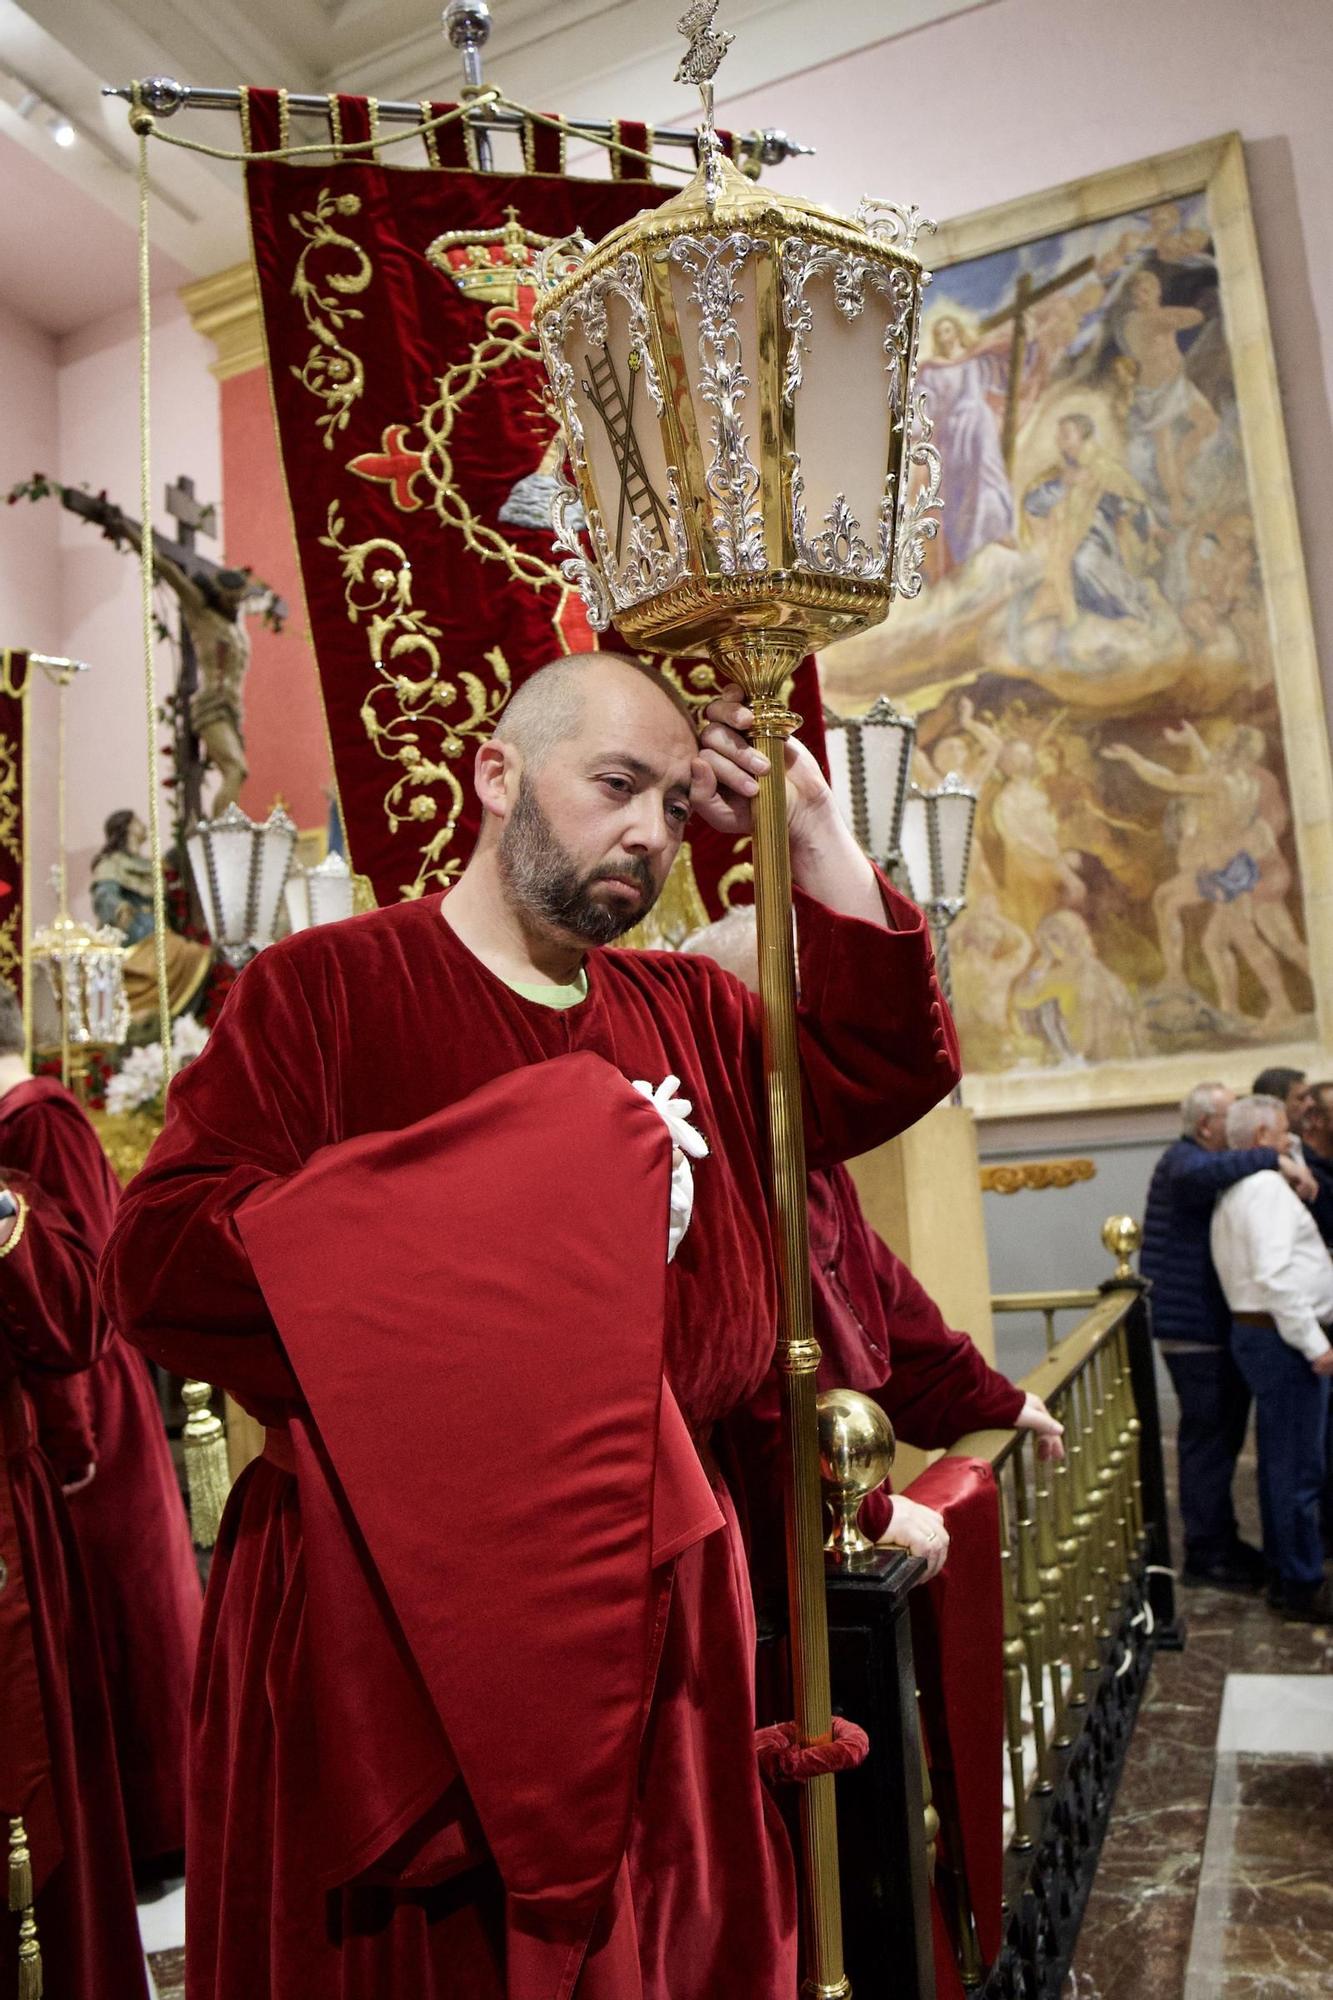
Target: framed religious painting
{"x": 1115, "y": 649}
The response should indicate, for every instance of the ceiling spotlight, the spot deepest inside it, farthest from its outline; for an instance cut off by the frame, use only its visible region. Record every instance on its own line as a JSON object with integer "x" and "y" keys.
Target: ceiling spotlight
{"x": 62, "y": 131}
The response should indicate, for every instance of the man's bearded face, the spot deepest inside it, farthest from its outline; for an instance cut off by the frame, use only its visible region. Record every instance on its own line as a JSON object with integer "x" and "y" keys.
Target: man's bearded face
{"x": 546, "y": 882}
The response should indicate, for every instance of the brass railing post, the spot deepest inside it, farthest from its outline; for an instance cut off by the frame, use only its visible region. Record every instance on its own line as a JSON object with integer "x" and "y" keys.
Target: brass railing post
{"x": 1050, "y": 1580}
{"x": 1014, "y": 1654}
{"x": 1031, "y": 1610}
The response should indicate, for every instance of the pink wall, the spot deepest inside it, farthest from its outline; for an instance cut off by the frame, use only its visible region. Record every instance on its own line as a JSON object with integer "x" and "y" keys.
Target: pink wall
{"x": 1026, "y": 94}
{"x": 285, "y": 736}
{"x": 30, "y": 614}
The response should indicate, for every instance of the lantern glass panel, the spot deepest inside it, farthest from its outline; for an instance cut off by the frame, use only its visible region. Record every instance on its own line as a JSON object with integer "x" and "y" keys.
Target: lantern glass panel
{"x": 321, "y": 895}
{"x": 954, "y": 812}
{"x": 916, "y": 847}
{"x": 275, "y": 844}
{"x": 844, "y": 429}
{"x": 836, "y": 749}
{"x": 884, "y": 752}
{"x": 622, "y": 433}
{"x": 221, "y": 865}
{"x": 713, "y": 287}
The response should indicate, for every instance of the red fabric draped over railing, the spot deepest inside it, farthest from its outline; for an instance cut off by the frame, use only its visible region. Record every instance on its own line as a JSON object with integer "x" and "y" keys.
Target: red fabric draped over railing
{"x": 418, "y": 451}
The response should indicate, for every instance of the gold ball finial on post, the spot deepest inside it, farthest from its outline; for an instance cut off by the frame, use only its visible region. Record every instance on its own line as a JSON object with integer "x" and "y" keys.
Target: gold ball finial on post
{"x": 1122, "y": 1236}
{"x": 856, "y": 1453}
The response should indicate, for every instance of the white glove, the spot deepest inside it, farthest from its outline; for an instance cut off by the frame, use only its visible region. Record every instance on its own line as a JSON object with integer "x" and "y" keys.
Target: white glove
{"x": 687, "y": 1144}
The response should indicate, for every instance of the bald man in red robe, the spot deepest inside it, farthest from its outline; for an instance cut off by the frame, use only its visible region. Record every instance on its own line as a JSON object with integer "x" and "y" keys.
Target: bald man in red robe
{"x": 58, "y": 1783}
{"x": 103, "y": 1431}
{"x": 475, "y": 1709}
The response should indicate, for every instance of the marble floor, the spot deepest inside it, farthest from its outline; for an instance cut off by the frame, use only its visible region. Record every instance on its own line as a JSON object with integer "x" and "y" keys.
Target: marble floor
{"x": 1214, "y": 1881}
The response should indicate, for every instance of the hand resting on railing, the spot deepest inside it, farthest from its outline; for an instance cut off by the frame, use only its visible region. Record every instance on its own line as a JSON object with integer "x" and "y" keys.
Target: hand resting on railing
{"x": 1049, "y": 1431}
{"x": 919, "y": 1530}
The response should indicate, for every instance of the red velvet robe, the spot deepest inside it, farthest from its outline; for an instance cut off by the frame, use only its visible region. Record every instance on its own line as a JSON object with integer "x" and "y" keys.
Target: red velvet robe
{"x": 379, "y": 1027}
{"x": 57, "y": 1761}
{"x": 880, "y": 1331}
{"x": 130, "y": 1521}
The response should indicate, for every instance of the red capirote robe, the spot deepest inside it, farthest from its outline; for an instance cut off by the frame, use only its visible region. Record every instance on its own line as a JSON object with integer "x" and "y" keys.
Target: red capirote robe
{"x": 57, "y": 1760}
{"x": 355, "y": 1033}
{"x": 130, "y": 1521}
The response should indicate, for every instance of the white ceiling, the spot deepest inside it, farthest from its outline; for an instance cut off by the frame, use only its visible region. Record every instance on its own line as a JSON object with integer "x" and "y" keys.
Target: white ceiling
{"x": 585, "y": 58}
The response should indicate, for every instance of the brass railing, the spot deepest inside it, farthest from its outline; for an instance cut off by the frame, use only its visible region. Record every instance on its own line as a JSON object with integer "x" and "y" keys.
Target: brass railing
{"x": 1086, "y": 1593}
{"x": 1048, "y": 1304}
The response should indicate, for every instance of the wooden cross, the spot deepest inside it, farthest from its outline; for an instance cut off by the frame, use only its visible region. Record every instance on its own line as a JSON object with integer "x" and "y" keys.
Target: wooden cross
{"x": 1026, "y": 294}
{"x": 190, "y": 515}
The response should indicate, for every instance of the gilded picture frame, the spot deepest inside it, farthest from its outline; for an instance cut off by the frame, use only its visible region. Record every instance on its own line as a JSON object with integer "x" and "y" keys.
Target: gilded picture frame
{"x": 1149, "y": 890}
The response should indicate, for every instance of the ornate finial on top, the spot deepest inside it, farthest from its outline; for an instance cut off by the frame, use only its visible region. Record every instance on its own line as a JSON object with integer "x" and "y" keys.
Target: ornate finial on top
{"x": 708, "y": 45}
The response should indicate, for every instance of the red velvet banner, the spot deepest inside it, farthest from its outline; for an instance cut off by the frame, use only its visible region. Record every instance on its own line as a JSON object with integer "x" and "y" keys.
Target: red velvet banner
{"x": 14, "y": 675}
{"x": 420, "y": 455}
{"x": 958, "y": 1640}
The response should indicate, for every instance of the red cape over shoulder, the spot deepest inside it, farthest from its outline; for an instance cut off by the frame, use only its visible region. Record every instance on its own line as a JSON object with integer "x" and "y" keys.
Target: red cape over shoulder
{"x": 492, "y": 1415}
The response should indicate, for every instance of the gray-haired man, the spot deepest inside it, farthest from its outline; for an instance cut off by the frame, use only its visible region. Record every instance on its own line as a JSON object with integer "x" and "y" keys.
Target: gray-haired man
{"x": 1193, "y": 1328}
{"x": 1278, "y": 1279}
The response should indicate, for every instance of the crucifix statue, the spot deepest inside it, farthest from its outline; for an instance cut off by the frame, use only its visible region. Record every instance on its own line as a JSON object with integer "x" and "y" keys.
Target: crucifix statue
{"x": 206, "y": 705}
{"x": 1026, "y": 295}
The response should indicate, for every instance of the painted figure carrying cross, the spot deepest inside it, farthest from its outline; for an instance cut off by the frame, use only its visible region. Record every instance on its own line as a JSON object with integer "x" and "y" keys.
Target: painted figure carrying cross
{"x": 1026, "y": 295}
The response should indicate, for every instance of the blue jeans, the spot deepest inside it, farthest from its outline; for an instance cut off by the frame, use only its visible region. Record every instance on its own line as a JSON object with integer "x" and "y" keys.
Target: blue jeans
{"x": 1291, "y": 1419}
{"x": 1214, "y": 1411}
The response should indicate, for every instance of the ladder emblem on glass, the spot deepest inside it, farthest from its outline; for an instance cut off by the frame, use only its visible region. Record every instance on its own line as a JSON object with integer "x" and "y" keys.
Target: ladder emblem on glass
{"x": 637, "y": 498}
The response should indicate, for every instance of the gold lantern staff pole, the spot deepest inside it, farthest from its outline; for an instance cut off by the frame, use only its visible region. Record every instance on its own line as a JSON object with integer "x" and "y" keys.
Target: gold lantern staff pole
{"x": 762, "y": 666}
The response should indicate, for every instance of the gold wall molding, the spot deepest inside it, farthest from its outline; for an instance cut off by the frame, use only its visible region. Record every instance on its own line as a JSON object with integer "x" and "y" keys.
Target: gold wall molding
{"x": 225, "y": 309}
{"x": 1014, "y": 1176}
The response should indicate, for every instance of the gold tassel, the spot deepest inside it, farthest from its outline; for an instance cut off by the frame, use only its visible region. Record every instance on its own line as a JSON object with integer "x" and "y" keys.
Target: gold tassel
{"x": 206, "y": 1471}
{"x": 20, "y": 1902}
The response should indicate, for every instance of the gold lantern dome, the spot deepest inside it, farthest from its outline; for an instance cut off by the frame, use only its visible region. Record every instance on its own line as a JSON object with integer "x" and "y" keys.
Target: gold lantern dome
{"x": 735, "y": 377}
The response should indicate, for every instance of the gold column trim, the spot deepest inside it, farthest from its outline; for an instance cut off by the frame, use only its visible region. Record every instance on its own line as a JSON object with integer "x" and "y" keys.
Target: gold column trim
{"x": 225, "y": 309}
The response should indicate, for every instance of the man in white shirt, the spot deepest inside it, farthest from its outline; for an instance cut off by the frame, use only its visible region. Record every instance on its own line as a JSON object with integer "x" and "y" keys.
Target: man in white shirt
{"x": 1278, "y": 1279}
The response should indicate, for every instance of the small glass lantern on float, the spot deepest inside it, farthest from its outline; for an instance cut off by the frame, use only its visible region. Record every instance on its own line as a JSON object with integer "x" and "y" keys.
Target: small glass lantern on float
{"x": 937, "y": 849}
{"x": 241, "y": 868}
{"x": 870, "y": 767}
{"x": 324, "y": 894}
{"x": 734, "y": 374}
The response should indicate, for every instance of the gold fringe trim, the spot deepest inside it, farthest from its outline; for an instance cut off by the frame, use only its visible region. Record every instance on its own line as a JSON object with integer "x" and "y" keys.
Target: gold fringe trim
{"x": 207, "y": 1474}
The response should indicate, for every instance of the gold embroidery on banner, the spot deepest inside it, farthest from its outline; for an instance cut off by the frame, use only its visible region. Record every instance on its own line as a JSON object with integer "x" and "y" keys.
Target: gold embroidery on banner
{"x": 406, "y": 714}
{"x": 11, "y": 939}
{"x": 331, "y": 371}
{"x": 432, "y": 150}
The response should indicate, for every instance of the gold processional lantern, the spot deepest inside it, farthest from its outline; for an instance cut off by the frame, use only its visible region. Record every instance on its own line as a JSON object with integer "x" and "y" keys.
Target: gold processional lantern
{"x": 84, "y": 966}
{"x": 734, "y": 373}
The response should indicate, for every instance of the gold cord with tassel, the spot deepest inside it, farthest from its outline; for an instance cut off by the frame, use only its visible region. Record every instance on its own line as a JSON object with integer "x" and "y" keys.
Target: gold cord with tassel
{"x": 20, "y": 1903}
{"x": 206, "y": 1471}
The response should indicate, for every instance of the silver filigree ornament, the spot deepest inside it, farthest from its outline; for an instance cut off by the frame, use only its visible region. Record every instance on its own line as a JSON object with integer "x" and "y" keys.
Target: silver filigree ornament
{"x": 842, "y": 549}
{"x": 896, "y": 223}
{"x": 919, "y": 522}
{"x": 653, "y": 562}
{"x": 711, "y": 263}
{"x": 707, "y": 43}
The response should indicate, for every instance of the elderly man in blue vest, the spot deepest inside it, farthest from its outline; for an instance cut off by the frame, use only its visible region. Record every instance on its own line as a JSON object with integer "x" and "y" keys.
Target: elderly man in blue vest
{"x": 1193, "y": 1328}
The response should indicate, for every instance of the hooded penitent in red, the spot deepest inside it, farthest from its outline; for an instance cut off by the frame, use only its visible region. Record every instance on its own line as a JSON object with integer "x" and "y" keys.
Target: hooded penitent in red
{"x": 130, "y": 1522}
{"x": 57, "y": 1764}
{"x": 474, "y": 1717}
